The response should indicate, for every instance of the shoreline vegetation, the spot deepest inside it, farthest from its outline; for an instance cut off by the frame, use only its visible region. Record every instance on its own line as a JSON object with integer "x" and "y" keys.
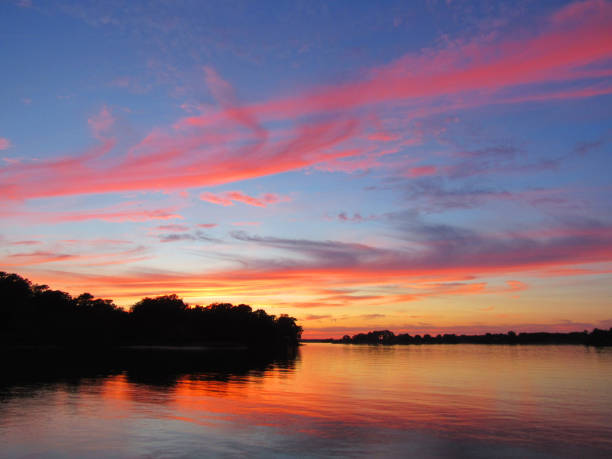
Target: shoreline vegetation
{"x": 596, "y": 337}
{"x": 37, "y": 317}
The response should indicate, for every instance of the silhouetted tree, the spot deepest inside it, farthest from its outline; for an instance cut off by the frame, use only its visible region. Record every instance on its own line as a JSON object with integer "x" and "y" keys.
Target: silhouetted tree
{"x": 35, "y": 314}
{"x": 596, "y": 338}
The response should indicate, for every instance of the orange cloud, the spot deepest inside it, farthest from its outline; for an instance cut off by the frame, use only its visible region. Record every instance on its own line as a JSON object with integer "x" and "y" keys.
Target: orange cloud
{"x": 334, "y": 274}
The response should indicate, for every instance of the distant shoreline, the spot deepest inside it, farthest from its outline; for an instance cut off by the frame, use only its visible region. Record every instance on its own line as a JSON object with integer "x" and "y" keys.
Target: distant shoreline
{"x": 596, "y": 337}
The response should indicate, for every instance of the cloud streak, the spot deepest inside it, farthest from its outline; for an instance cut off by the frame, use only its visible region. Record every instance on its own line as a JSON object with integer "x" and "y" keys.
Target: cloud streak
{"x": 228, "y": 198}
{"x": 39, "y": 257}
{"x": 437, "y": 261}
{"x": 5, "y": 143}
{"x": 126, "y": 212}
{"x": 321, "y": 126}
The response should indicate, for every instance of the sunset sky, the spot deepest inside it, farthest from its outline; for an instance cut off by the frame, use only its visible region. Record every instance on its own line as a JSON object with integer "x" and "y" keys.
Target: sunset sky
{"x": 435, "y": 166}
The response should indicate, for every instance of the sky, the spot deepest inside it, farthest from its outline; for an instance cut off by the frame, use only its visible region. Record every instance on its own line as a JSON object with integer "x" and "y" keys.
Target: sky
{"x": 423, "y": 167}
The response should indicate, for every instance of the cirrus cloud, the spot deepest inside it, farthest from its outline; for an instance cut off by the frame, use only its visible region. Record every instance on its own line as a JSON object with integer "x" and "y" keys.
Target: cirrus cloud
{"x": 5, "y": 143}
{"x": 228, "y": 198}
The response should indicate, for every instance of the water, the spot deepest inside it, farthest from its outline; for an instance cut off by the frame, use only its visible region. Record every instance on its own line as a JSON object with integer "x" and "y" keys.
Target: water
{"x": 344, "y": 400}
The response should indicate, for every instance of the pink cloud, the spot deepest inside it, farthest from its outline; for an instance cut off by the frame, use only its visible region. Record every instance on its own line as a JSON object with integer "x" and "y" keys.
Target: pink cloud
{"x": 272, "y": 198}
{"x": 383, "y": 137}
{"x": 206, "y": 225}
{"x": 101, "y": 123}
{"x": 422, "y": 171}
{"x": 590, "y": 91}
{"x": 553, "y": 55}
{"x": 246, "y": 199}
{"x": 441, "y": 261}
{"x": 5, "y": 143}
{"x": 224, "y": 94}
{"x": 37, "y": 257}
{"x": 216, "y": 199}
{"x": 118, "y": 213}
{"x": 334, "y": 274}
{"x": 360, "y": 161}
{"x": 246, "y": 223}
{"x": 83, "y": 259}
{"x": 121, "y": 216}
{"x": 172, "y": 228}
{"x": 579, "y": 11}
{"x": 233, "y": 144}
{"x": 228, "y": 198}
{"x": 162, "y": 162}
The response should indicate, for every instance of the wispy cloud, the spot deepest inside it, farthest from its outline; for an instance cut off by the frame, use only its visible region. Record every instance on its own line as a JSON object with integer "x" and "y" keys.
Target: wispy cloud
{"x": 246, "y": 223}
{"x": 5, "y": 143}
{"x": 228, "y": 198}
{"x": 438, "y": 260}
{"x": 174, "y": 227}
{"x": 26, "y": 242}
{"x": 121, "y": 216}
{"x": 321, "y": 125}
{"x": 176, "y": 237}
{"x": 38, "y": 257}
{"x": 101, "y": 123}
{"x": 126, "y": 212}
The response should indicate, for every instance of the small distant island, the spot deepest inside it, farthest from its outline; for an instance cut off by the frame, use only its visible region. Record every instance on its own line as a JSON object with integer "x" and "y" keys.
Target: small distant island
{"x": 596, "y": 337}
{"x": 36, "y": 316}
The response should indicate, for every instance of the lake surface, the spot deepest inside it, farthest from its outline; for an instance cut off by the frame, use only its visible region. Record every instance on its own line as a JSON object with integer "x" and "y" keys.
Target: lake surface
{"x": 344, "y": 400}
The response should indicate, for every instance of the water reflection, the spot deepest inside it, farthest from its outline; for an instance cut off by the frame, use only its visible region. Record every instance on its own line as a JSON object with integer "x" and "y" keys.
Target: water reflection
{"x": 324, "y": 400}
{"x": 164, "y": 368}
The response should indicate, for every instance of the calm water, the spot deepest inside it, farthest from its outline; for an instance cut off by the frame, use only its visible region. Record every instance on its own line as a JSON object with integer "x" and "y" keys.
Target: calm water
{"x": 421, "y": 401}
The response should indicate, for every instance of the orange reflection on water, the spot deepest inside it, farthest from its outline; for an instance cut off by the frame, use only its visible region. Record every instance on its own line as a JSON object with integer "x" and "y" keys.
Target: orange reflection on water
{"x": 498, "y": 393}
{"x": 350, "y": 398}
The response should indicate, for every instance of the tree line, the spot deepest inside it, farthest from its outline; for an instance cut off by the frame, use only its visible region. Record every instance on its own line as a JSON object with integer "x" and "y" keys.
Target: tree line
{"x": 596, "y": 337}
{"x": 32, "y": 314}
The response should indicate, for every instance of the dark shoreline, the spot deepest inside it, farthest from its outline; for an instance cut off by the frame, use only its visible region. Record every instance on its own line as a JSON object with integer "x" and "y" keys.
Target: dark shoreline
{"x": 596, "y": 337}
{"x": 34, "y": 316}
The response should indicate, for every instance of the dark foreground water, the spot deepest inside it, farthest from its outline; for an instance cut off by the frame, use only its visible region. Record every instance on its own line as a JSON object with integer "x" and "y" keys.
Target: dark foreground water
{"x": 344, "y": 400}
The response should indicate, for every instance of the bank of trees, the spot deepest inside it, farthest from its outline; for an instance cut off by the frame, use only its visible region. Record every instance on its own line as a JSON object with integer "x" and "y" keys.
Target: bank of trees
{"x": 33, "y": 314}
{"x": 596, "y": 337}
